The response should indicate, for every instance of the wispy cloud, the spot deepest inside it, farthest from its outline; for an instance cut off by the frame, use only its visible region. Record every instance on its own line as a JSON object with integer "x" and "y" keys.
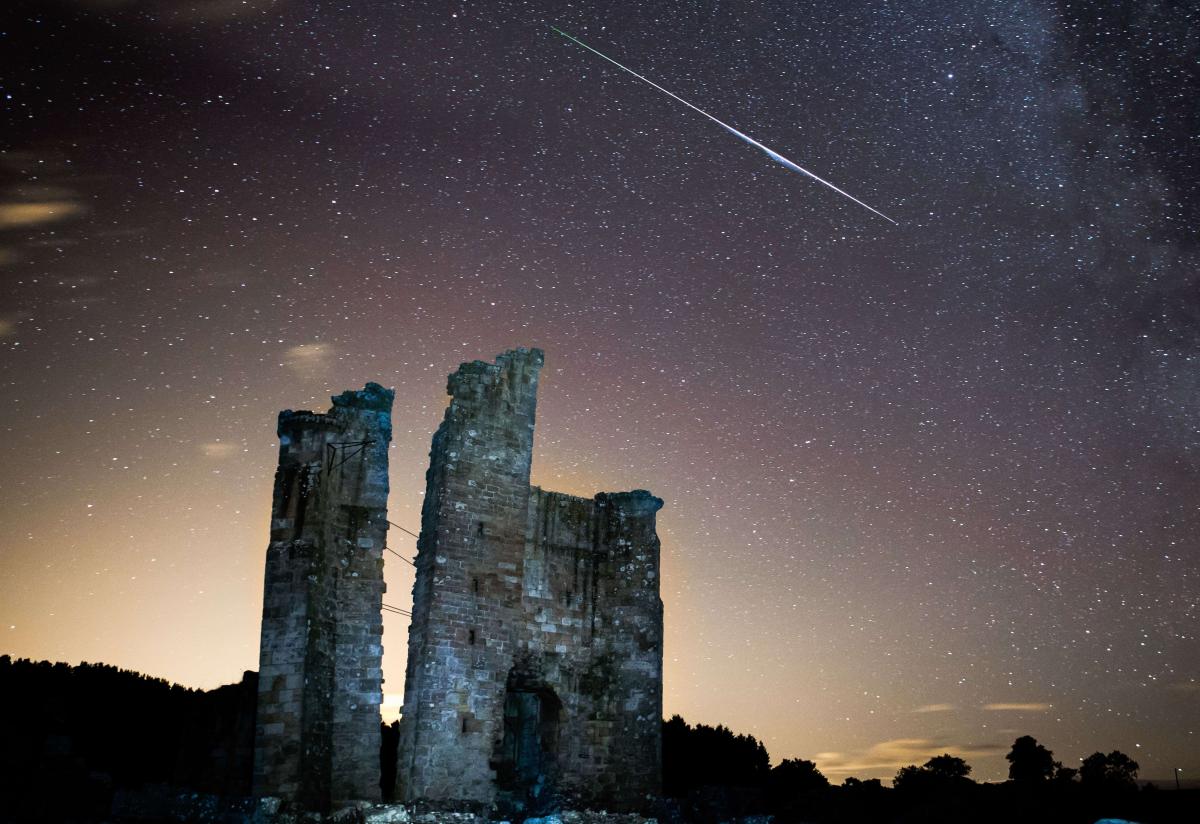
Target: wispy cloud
{"x": 887, "y": 756}
{"x": 8, "y": 325}
{"x": 1030, "y": 707}
{"x": 47, "y": 190}
{"x": 935, "y": 708}
{"x": 24, "y": 215}
{"x": 218, "y": 449}
{"x": 308, "y": 359}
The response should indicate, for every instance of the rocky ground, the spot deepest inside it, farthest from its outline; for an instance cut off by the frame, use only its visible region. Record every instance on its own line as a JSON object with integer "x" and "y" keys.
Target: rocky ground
{"x": 146, "y": 806}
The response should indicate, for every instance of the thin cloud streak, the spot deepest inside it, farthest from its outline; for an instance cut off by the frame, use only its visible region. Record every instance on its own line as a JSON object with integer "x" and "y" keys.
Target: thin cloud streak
{"x": 897, "y": 753}
{"x": 218, "y": 449}
{"x": 25, "y": 215}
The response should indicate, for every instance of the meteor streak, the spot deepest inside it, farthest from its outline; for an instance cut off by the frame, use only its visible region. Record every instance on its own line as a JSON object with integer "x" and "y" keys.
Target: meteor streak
{"x": 776, "y": 156}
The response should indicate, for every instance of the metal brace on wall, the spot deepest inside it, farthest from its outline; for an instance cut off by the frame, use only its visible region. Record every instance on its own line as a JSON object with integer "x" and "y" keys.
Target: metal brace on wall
{"x": 347, "y": 449}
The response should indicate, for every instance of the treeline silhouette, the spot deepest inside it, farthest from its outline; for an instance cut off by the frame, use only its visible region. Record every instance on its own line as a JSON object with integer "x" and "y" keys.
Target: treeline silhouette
{"x": 711, "y": 774}
{"x": 71, "y": 736}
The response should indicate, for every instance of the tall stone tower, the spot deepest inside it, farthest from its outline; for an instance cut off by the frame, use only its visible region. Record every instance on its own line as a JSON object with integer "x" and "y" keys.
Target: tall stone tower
{"x": 320, "y": 682}
{"x": 535, "y": 652}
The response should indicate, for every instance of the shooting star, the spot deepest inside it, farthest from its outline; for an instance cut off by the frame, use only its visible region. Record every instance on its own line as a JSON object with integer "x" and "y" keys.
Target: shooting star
{"x": 771, "y": 153}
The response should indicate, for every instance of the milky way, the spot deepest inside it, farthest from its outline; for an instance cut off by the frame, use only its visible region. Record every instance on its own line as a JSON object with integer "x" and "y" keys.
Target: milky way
{"x": 928, "y": 487}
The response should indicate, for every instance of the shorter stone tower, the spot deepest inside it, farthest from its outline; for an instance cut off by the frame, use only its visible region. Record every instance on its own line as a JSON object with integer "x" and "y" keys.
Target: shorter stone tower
{"x": 535, "y": 652}
{"x": 320, "y": 681}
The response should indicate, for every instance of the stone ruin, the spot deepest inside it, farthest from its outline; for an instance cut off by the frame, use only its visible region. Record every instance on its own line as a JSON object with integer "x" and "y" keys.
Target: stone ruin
{"x": 320, "y": 679}
{"x": 534, "y": 676}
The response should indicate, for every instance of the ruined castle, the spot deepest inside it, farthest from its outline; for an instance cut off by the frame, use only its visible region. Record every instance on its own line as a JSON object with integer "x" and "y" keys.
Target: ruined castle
{"x": 534, "y": 674}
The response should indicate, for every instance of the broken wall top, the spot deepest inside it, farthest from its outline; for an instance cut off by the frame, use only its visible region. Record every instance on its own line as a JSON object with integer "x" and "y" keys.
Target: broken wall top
{"x": 370, "y": 406}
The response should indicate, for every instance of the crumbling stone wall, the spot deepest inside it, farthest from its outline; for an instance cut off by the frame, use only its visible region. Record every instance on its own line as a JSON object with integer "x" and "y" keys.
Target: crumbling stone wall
{"x": 320, "y": 678}
{"x": 535, "y": 653}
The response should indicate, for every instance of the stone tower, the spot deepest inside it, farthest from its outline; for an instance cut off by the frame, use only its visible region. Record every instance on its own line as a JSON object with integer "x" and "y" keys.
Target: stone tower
{"x": 535, "y": 652}
{"x": 320, "y": 682}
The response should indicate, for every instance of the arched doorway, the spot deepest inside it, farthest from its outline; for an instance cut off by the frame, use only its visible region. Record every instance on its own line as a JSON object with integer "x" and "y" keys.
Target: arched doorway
{"x": 529, "y": 749}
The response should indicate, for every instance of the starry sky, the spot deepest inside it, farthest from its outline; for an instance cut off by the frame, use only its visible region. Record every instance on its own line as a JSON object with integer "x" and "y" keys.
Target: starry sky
{"x": 928, "y": 487}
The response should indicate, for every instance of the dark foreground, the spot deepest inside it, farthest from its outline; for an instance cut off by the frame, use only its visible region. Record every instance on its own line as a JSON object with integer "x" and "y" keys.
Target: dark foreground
{"x": 94, "y": 744}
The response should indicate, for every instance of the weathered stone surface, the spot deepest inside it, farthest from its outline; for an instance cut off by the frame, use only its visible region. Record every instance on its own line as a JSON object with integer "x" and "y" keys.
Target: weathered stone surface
{"x": 535, "y": 654}
{"x": 387, "y": 814}
{"x": 320, "y": 679}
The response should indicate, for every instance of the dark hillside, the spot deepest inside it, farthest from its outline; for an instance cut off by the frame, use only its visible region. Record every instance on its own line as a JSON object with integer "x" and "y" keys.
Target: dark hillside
{"x": 72, "y": 735}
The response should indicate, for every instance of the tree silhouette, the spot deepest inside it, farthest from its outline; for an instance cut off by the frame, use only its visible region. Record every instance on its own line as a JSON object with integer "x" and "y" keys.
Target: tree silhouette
{"x": 798, "y": 774}
{"x": 1115, "y": 770}
{"x": 794, "y": 780}
{"x": 939, "y": 774}
{"x": 1064, "y": 775}
{"x": 73, "y": 735}
{"x": 911, "y": 779}
{"x": 948, "y": 766}
{"x": 1029, "y": 760}
{"x": 389, "y": 744}
{"x": 703, "y": 756}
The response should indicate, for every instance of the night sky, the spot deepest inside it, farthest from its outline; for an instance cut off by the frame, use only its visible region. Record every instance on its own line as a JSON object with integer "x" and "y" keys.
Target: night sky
{"x": 928, "y": 487}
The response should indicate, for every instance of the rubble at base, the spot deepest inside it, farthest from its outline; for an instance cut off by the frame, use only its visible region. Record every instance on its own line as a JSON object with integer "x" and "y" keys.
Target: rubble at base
{"x": 396, "y": 814}
{"x": 399, "y": 814}
{"x": 160, "y": 804}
